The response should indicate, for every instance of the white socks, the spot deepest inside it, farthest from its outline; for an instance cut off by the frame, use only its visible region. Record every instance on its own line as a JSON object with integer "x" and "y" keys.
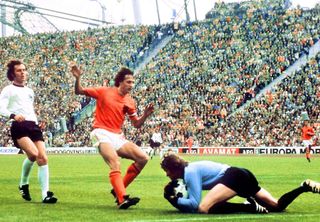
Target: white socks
{"x": 43, "y": 176}
{"x": 26, "y": 169}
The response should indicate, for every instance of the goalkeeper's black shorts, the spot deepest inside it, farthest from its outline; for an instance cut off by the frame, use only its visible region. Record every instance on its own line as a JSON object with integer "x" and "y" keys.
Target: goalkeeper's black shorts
{"x": 240, "y": 180}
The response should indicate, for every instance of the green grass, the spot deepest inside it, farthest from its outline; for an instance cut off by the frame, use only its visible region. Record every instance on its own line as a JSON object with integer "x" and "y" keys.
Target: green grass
{"x": 82, "y": 185}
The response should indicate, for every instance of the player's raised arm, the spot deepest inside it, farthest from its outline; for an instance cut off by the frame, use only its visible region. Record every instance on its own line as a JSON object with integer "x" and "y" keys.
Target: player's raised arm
{"x": 76, "y": 72}
{"x": 137, "y": 123}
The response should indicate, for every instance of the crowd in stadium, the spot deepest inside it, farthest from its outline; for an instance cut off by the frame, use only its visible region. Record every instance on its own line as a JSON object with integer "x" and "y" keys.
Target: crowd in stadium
{"x": 48, "y": 58}
{"x": 198, "y": 81}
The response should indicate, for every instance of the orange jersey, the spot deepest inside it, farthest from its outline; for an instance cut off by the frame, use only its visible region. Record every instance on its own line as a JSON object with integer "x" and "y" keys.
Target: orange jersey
{"x": 307, "y": 133}
{"x": 111, "y": 108}
{"x": 189, "y": 142}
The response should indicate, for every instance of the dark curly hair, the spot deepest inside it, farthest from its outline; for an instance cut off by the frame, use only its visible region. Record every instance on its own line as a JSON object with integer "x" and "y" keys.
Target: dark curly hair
{"x": 121, "y": 75}
{"x": 10, "y": 66}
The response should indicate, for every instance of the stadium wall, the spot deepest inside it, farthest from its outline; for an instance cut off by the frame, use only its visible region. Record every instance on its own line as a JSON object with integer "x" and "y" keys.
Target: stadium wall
{"x": 54, "y": 150}
{"x": 231, "y": 151}
{"x": 245, "y": 150}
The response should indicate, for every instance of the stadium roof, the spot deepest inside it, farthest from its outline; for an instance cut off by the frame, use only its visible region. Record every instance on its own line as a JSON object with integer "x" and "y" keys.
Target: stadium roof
{"x": 33, "y": 16}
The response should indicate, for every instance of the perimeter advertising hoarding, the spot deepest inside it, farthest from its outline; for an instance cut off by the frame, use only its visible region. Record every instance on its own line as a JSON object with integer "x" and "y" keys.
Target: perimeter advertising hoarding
{"x": 54, "y": 150}
{"x": 184, "y": 150}
{"x": 8, "y": 150}
{"x": 210, "y": 150}
{"x": 246, "y": 150}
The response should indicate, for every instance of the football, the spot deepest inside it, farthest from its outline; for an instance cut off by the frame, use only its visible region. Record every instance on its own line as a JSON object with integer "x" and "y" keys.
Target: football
{"x": 181, "y": 189}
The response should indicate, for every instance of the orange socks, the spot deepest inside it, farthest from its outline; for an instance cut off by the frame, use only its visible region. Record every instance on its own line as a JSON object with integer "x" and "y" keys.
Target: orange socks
{"x": 132, "y": 172}
{"x": 117, "y": 184}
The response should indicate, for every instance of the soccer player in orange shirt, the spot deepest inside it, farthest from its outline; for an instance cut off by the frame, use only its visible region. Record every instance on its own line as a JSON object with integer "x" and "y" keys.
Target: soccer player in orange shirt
{"x": 112, "y": 106}
{"x": 307, "y": 134}
{"x": 189, "y": 143}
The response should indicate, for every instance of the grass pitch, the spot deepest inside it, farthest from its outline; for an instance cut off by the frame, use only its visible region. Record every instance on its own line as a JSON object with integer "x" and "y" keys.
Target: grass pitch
{"x": 82, "y": 186}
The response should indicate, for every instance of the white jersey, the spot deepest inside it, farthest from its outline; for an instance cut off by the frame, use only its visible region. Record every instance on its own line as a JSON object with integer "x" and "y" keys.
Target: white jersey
{"x": 17, "y": 100}
{"x": 157, "y": 138}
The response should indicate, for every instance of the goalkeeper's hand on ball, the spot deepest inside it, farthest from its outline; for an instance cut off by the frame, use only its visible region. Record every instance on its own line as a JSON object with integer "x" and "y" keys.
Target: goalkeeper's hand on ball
{"x": 169, "y": 193}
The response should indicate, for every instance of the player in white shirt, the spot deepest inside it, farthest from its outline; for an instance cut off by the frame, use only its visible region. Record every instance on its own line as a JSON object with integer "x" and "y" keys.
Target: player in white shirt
{"x": 155, "y": 142}
{"x": 16, "y": 103}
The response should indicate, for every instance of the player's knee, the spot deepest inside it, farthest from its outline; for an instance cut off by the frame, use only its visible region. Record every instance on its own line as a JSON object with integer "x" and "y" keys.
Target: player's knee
{"x": 33, "y": 155}
{"x": 32, "y": 158}
{"x": 42, "y": 160}
{"x": 114, "y": 165}
{"x": 143, "y": 160}
{"x": 203, "y": 209}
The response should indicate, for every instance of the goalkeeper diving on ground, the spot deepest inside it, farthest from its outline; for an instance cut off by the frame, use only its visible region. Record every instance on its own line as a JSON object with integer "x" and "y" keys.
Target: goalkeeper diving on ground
{"x": 223, "y": 182}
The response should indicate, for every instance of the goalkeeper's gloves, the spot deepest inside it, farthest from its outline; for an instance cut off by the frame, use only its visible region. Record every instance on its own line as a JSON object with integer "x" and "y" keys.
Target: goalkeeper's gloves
{"x": 169, "y": 190}
{"x": 172, "y": 199}
{"x": 169, "y": 193}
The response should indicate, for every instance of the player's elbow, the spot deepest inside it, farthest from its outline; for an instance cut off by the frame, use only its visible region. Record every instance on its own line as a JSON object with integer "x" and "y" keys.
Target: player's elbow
{"x": 193, "y": 206}
{"x": 79, "y": 92}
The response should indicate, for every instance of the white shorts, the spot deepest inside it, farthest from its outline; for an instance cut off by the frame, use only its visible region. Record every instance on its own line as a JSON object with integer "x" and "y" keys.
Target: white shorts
{"x": 104, "y": 136}
{"x": 307, "y": 143}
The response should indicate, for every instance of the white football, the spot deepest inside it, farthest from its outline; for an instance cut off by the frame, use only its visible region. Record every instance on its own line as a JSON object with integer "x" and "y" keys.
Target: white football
{"x": 181, "y": 189}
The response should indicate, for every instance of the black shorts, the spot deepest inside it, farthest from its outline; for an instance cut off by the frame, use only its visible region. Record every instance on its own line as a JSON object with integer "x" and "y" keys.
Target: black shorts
{"x": 241, "y": 180}
{"x": 154, "y": 144}
{"x": 25, "y": 129}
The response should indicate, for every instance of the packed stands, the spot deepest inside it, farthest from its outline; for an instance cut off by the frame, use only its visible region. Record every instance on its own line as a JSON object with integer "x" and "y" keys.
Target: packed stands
{"x": 206, "y": 72}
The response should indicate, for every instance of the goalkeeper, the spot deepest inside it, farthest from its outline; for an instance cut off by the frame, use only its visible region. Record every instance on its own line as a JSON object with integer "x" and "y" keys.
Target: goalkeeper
{"x": 223, "y": 182}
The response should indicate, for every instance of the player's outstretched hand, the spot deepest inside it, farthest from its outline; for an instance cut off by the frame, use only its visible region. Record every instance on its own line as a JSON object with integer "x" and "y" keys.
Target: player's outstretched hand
{"x": 76, "y": 72}
{"x": 149, "y": 109}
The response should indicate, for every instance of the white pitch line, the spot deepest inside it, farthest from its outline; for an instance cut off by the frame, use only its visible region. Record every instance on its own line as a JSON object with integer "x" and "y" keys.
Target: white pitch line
{"x": 240, "y": 217}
